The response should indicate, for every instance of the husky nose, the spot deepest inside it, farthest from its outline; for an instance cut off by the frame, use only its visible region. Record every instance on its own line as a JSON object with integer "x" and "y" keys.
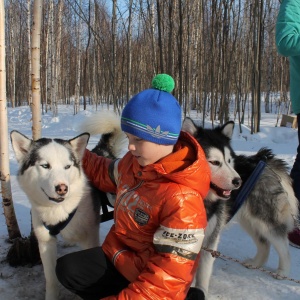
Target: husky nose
{"x": 61, "y": 189}
{"x": 237, "y": 182}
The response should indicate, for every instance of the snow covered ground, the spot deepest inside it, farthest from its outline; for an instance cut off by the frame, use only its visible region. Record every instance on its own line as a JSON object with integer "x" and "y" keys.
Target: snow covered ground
{"x": 230, "y": 280}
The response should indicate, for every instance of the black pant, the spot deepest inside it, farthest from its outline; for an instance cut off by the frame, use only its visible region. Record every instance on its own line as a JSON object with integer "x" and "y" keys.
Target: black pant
{"x": 90, "y": 274}
{"x": 295, "y": 172}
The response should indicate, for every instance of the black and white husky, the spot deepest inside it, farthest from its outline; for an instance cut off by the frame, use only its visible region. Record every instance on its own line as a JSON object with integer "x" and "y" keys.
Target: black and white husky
{"x": 267, "y": 214}
{"x": 62, "y": 202}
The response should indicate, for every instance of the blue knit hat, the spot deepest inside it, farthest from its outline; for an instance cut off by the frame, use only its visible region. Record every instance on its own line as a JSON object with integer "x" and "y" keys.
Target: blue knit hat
{"x": 154, "y": 114}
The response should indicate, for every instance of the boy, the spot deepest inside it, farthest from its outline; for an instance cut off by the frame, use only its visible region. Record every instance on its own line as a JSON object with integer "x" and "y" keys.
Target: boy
{"x": 152, "y": 250}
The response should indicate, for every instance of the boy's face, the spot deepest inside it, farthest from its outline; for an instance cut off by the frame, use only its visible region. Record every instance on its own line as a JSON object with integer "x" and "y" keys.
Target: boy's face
{"x": 147, "y": 152}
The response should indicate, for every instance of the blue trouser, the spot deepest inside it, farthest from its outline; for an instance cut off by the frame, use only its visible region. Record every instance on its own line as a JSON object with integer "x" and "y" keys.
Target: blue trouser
{"x": 295, "y": 172}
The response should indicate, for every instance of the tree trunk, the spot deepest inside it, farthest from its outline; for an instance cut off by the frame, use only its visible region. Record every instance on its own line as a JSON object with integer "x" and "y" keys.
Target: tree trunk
{"x": 36, "y": 78}
{"x": 12, "y": 60}
{"x": 56, "y": 63}
{"x": 170, "y": 60}
{"x": 7, "y": 203}
{"x": 114, "y": 52}
{"x": 78, "y": 69}
{"x": 160, "y": 39}
{"x": 86, "y": 59}
{"x": 51, "y": 59}
{"x": 150, "y": 4}
{"x": 29, "y": 52}
{"x": 180, "y": 51}
{"x": 25, "y": 250}
{"x": 129, "y": 52}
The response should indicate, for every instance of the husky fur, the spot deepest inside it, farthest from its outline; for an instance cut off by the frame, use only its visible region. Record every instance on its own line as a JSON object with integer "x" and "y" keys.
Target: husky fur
{"x": 113, "y": 143}
{"x": 51, "y": 175}
{"x": 267, "y": 214}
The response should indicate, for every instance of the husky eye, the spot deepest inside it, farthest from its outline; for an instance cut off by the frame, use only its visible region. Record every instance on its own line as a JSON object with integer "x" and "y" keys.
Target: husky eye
{"x": 214, "y": 162}
{"x": 67, "y": 167}
{"x": 45, "y": 166}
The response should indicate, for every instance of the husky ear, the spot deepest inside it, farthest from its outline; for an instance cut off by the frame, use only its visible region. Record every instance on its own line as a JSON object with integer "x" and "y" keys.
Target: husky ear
{"x": 79, "y": 144}
{"x": 20, "y": 143}
{"x": 189, "y": 126}
{"x": 227, "y": 129}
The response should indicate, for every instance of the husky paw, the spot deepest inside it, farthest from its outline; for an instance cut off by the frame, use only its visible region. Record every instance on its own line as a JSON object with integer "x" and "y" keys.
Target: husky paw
{"x": 250, "y": 264}
{"x": 280, "y": 275}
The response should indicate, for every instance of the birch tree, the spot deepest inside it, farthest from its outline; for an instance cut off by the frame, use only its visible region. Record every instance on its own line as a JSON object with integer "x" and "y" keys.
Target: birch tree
{"x": 150, "y": 7}
{"x": 113, "y": 51}
{"x": 50, "y": 58}
{"x": 78, "y": 61}
{"x": 57, "y": 64}
{"x": 36, "y": 77}
{"x": 12, "y": 58}
{"x": 25, "y": 251}
{"x": 129, "y": 51}
{"x": 29, "y": 52}
{"x": 7, "y": 202}
{"x": 86, "y": 59}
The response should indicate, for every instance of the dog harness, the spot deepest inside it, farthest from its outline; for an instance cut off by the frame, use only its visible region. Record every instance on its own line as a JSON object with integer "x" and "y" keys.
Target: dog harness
{"x": 105, "y": 203}
{"x": 57, "y": 228}
{"x": 247, "y": 187}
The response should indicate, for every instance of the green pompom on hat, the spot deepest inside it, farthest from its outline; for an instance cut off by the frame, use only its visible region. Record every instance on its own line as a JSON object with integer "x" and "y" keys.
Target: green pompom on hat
{"x": 163, "y": 82}
{"x": 154, "y": 114}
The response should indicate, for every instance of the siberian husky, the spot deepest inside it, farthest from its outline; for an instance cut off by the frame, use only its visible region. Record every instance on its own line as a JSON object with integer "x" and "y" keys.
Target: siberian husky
{"x": 62, "y": 201}
{"x": 267, "y": 214}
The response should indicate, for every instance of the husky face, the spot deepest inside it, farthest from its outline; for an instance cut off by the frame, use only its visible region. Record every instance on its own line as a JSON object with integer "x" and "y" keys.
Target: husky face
{"x": 49, "y": 168}
{"x": 220, "y": 156}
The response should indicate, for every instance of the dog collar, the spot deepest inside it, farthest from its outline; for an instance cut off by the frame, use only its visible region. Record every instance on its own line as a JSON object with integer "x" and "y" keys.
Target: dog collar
{"x": 57, "y": 228}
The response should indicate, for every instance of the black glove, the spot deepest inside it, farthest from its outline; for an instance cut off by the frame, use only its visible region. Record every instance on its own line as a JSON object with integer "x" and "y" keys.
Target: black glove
{"x": 195, "y": 294}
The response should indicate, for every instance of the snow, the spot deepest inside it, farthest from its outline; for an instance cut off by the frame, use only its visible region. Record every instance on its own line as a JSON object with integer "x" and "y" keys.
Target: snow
{"x": 230, "y": 279}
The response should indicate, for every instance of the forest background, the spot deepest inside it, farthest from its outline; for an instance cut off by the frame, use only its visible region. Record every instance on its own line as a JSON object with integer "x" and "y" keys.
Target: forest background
{"x": 221, "y": 53}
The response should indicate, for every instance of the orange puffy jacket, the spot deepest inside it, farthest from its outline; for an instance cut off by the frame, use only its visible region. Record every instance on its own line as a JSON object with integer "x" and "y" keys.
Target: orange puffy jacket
{"x": 159, "y": 219}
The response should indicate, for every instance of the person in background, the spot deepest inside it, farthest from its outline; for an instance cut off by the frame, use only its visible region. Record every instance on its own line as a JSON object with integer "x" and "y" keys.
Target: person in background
{"x": 152, "y": 250}
{"x": 288, "y": 44}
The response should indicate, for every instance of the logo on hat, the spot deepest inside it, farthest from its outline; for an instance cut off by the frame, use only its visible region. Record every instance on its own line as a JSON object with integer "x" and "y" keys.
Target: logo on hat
{"x": 156, "y": 132}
